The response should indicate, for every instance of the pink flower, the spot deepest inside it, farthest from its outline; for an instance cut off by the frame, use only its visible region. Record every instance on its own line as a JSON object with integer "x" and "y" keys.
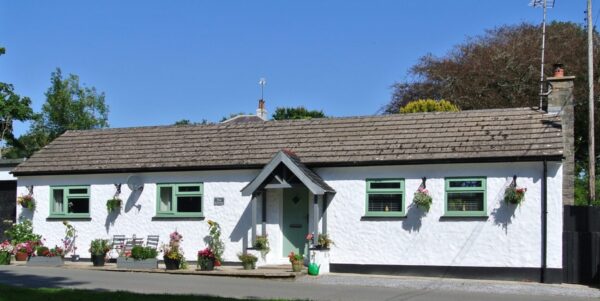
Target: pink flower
{"x": 309, "y": 236}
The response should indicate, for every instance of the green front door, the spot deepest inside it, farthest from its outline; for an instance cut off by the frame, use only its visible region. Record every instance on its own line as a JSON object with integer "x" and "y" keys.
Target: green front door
{"x": 295, "y": 220}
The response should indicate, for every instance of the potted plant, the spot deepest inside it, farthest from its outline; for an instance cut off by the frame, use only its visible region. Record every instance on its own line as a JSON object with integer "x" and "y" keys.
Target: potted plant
{"x": 215, "y": 244}
{"x": 25, "y": 250}
{"x": 114, "y": 205}
{"x": 26, "y": 201}
{"x": 514, "y": 195}
{"x": 138, "y": 258}
{"x": 324, "y": 242}
{"x": 6, "y": 251}
{"x": 297, "y": 261}
{"x": 206, "y": 260}
{"x": 173, "y": 255}
{"x": 422, "y": 199}
{"x": 262, "y": 244}
{"x": 248, "y": 261}
{"x": 22, "y": 232}
{"x": 98, "y": 250}
{"x": 69, "y": 241}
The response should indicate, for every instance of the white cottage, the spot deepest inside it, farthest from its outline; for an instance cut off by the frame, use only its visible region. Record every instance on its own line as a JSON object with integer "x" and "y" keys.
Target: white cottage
{"x": 352, "y": 178}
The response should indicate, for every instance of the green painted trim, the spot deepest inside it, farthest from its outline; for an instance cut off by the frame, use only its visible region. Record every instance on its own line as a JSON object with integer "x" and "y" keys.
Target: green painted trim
{"x": 447, "y": 189}
{"x": 65, "y": 203}
{"x": 369, "y": 191}
{"x": 174, "y": 194}
{"x": 385, "y": 214}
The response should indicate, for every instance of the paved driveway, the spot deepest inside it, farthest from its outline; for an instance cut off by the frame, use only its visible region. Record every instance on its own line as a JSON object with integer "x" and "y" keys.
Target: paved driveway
{"x": 237, "y": 287}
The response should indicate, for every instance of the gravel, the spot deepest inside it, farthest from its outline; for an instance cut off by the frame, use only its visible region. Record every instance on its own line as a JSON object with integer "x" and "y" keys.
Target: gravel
{"x": 459, "y": 285}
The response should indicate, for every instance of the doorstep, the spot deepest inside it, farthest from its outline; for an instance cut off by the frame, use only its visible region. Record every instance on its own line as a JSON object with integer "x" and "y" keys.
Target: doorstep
{"x": 265, "y": 272}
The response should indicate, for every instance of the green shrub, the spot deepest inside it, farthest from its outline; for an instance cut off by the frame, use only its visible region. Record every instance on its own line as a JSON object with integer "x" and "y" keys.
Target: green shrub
{"x": 22, "y": 232}
{"x": 42, "y": 251}
{"x": 99, "y": 247}
{"x": 429, "y": 105}
{"x": 141, "y": 253}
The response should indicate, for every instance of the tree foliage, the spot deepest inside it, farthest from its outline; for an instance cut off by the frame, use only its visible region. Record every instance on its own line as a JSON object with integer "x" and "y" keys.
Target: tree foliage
{"x": 282, "y": 113}
{"x": 12, "y": 107}
{"x": 500, "y": 69}
{"x": 69, "y": 106}
{"x": 429, "y": 105}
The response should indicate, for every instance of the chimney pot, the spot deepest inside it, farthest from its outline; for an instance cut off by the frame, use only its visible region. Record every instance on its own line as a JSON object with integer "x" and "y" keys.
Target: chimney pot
{"x": 261, "y": 112}
{"x": 559, "y": 71}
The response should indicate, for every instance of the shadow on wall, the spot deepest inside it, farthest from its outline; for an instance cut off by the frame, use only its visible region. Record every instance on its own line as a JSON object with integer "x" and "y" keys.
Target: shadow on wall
{"x": 502, "y": 215}
{"x": 110, "y": 219}
{"x": 413, "y": 218}
{"x": 134, "y": 196}
{"x": 240, "y": 231}
{"x": 26, "y": 214}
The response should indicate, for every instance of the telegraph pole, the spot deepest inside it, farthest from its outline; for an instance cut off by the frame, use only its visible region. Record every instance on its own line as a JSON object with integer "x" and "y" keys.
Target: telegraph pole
{"x": 591, "y": 149}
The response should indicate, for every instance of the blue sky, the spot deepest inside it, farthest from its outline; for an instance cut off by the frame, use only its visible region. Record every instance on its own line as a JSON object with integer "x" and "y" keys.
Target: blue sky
{"x": 161, "y": 61}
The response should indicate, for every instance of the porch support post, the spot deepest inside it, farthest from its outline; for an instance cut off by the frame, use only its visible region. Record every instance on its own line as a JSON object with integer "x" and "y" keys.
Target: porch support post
{"x": 253, "y": 214}
{"x": 315, "y": 219}
{"x": 324, "y": 213}
{"x": 264, "y": 212}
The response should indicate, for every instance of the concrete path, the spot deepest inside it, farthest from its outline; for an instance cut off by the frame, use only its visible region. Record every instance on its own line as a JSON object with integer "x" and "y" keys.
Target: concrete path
{"x": 310, "y": 289}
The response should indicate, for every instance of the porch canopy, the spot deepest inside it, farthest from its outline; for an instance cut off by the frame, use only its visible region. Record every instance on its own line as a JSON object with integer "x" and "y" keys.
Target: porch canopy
{"x": 285, "y": 170}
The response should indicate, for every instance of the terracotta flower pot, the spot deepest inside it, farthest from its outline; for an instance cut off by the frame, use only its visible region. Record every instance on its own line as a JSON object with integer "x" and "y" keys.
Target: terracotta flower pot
{"x": 20, "y": 256}
{"x": 297, "y": 266}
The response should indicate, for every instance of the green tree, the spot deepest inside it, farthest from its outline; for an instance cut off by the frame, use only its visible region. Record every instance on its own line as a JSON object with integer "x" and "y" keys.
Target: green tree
{"x": 296, "y": 113}
{"x": 429, "y": 105}
{"x": 12, "y": 107}
{"x": 500, "y": 69}
{"x": 68, "y": 106}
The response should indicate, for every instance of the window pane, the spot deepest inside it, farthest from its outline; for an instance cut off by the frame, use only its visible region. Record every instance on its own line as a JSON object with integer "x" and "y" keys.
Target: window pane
{"x": 463, "y": 184}
{"x": 189, "y": 204}
{"x": 189, "y": 189}
{"x": 465, "y": 201}
{"x": 79, "y": 205}
{"x": 385, "y": 185}
{"x": 57, "y": 194}
{"x": 166, "y": 202}
{"x": 385, "y": 202}
{"x": 78, "y": 191}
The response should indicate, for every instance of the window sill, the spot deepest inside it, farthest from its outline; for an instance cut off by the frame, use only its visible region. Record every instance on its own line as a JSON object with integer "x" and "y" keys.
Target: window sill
{"x": 375, "y": 216}
{"x": 178, "y": 217}
{"x": 67, "y": 217}
{"x": 464, "y": 217}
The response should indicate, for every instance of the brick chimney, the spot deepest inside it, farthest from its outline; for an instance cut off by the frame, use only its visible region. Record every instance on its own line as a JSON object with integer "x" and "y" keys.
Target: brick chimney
{"x": 560, "y": 102}
{"x": 261, "y": 111}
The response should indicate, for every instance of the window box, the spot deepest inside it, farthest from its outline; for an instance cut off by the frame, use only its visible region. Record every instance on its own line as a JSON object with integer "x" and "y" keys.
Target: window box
{"x": 132, "y": 264}
{"x": 44, "y": 261}
{"x": 385, "y": 198}
{"x": 465, "y": 197}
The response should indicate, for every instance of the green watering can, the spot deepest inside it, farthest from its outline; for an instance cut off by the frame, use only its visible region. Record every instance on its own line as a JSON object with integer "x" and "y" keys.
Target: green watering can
{"x": 313, "y": 269}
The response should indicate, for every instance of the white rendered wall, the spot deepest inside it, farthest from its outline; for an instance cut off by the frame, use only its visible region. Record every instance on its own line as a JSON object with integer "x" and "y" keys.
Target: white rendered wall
{"x": 5, "y": 174}
{"x": 509, "y": 237}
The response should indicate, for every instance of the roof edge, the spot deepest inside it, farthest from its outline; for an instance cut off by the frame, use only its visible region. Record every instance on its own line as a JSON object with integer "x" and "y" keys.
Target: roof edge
{"x": 311, "y": 165}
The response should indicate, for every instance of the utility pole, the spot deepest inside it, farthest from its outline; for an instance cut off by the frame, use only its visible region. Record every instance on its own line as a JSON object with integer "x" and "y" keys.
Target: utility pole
{"x": 591, "y": 149}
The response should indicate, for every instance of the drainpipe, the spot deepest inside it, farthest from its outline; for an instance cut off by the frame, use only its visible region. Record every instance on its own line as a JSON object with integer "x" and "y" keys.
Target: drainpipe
{"x": 544, "y": 221}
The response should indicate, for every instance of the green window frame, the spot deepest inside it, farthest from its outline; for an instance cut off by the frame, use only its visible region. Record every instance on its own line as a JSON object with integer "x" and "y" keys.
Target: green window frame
{"x": 179, "y": 200}
{"x": 385, "y": 192}
{"x": 472, "y": 188}
{"x": 70, "y": 201}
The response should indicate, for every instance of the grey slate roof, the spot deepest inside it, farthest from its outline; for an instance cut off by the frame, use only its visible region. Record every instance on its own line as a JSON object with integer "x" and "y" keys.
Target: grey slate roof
{"x": 489, "y": 135}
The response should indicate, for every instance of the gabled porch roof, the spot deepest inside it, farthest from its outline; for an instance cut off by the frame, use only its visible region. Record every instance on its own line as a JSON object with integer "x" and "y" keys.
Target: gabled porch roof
{"x": 309, "y": 178}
